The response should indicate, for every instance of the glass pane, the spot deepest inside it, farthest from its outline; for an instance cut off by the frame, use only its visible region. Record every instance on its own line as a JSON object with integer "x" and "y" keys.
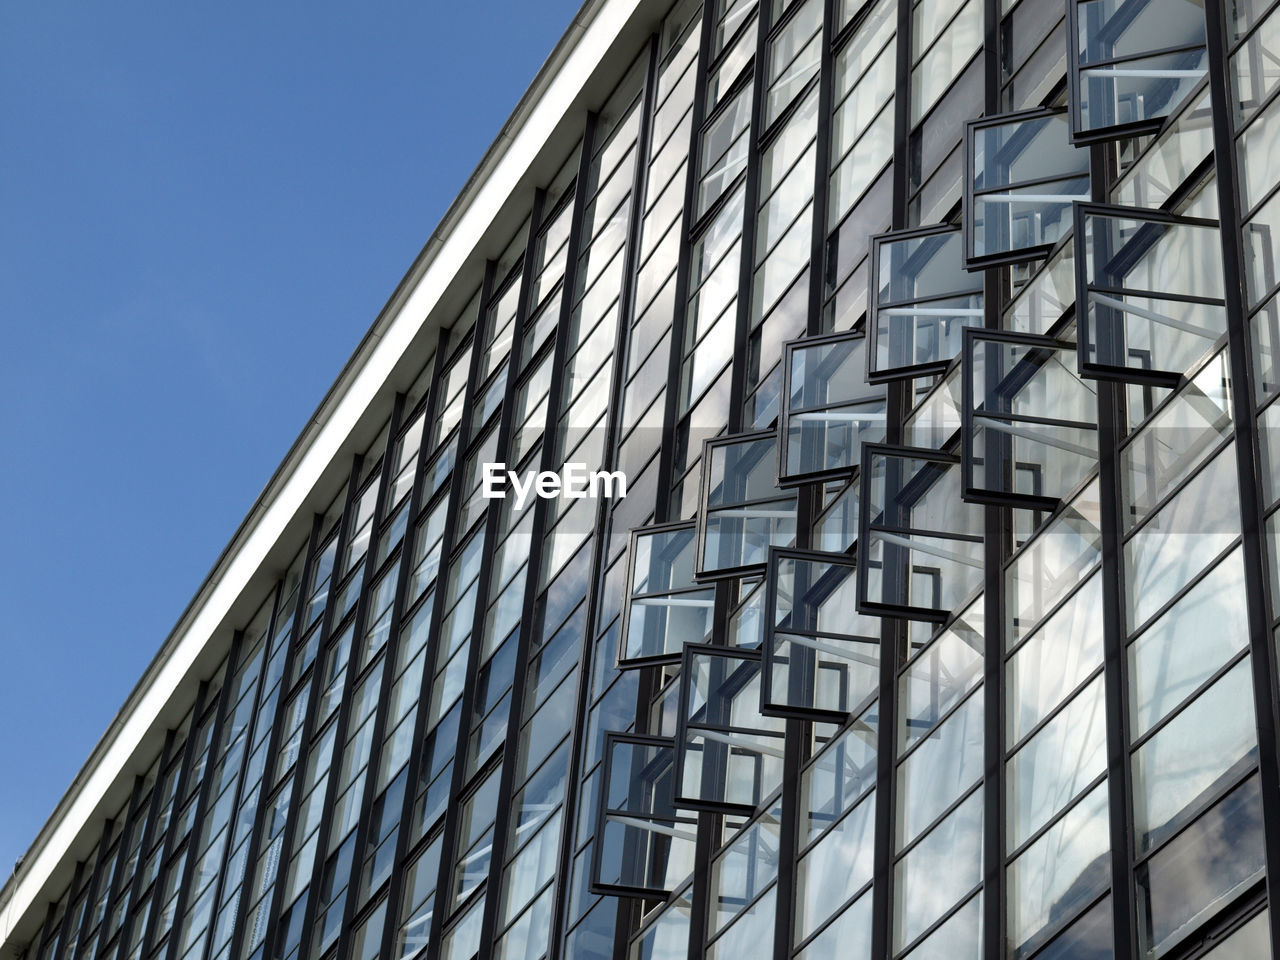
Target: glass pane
{"x": 1061, "y": 872}
{"x": 1198, "y": 751}
{"x": 1208, "y": 864}
{"x": 925, "y": 298}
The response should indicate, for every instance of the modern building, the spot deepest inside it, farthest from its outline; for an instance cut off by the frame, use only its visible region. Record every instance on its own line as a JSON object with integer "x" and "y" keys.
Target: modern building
{"x": 935, "y": 340}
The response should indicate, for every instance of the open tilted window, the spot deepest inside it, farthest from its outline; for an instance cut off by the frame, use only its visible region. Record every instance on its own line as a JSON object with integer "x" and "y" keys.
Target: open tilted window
{"x": 922, "y": 299}
{"x": 665, "y": 608}
{"x": 919, "y": 546}
{"x": 1133, "y": 63}
{"x": 828, "y": 408}
{"x": 1030, "y": 434}
{"x": 1149, "y": 293}
{"x": 1022, "y": 175}
{"x": 821, "y": 658}
{"x": 645, "y": 845}
{"x": 729, "y": 753}
{"x": 744, "y": 512}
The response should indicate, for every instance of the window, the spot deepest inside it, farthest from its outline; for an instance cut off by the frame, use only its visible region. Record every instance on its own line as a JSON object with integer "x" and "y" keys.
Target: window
{"x": 729, "y": 755}
{"x": 644, "y": 844}
{"x": 1022, "y": 177}
{"x": 743, "y": 511}
{"x": 820, "y": 658}
{"x": 1133, "y": 63}
{"x": 920, "y": 545}
{"x": 1030, "y": 436}
{"x": 665, "y": 607}
{"x": 922, "y": 300}
{"x": 828, "y": 408}
{"x": 1149, "y": 293}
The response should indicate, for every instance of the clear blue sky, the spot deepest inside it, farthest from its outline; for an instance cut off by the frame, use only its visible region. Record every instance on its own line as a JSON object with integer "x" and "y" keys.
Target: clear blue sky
{"x": 202, "y": 208}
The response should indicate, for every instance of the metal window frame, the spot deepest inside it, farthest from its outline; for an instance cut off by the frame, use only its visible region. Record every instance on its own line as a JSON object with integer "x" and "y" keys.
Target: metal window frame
{"x": 891, "y": 609}
{"x": 970, "y": 416}
{"x": 901, "y": 371}
{"x": 701, "y": 573}
{"x": 1094, "y": 369}
{"x": 1118, "y": 131}
{"x": 683, "y": 732}
{"x": 597, "y": 886}
{"x": 770, "y": 706}
{"x": 787, "y": 481}
{"x": 624, "y": 662}
{"x": 971, "y": 129}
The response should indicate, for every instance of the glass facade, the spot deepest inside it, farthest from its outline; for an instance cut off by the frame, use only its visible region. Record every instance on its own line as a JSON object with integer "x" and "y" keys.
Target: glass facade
{"x": 939, "y": 619}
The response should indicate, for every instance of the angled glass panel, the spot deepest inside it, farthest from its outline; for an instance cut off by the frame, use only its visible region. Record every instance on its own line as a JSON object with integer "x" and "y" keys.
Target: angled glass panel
{"x": 936, "y": 418}
{"x": 839, "y": 776}
{"x": 1134, "y": 62}
{"x": 920, "y": 545}
{"x": 730, "y": 754}
{"x": 1048, "y": 568}
{"x": 665, "y": 609}
{"x": 821, "y": 659}
{"x": 1047, "y": 296}
{"x": 941, "y": 675}
{"x": 644, "y": 844}
{"x": 743, "y": 869}
{"x": 1176, "y": 439}
{"x": 828, "y": 408}
{"x": 666, "y": 935}
{"x": 1031, "y": 435}
{"x": 1149, "y": 290}
{"x": 1180, "y": 539}
{"x": 1023, "y": 175}
{"x": 723, "y": 149}
{"x": 938, "y": 872}
{"x": 1201, "y": 750}
{"x": 744, "y": 513}
{"x": 922, "y": 299}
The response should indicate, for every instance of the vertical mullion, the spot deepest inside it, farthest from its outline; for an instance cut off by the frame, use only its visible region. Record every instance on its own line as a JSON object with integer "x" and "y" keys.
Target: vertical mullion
{"x": 122, "y": 851}
{"x": 1110, "y": 399}
{"x": 144, "y": 844}
{"x": 600, "y": 537}
{"x": 396, "y": 884}
{"x": 750, "y": 214}
{"x": 1249, "y": 461}
{"x": 398, "y": 415}
{"x": 202, "y": 804}
{"x": 489, "y": 916}
{"x": 170, "y": 832}
{"x": 822, "y": 171}
{"x": 92, "y": 888}
{"x": 893, "y": 632}
{"x": 184, "y": 774}
{"x": 559, "y": 366}
{"x": 274, "y": 743}
{"x": 250, "y": 729}
{"x": 671, "y": 411}
{"x": 309, "y": 724}
{"x": 996, "y": 549}
{"x": 456, "y": 491}
{"x": 64, "y": 927}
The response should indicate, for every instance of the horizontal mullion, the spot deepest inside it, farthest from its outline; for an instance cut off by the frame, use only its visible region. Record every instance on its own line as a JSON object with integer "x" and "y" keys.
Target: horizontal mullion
{"x": 1190, "y": 698}
{"x": 1067, "y": 700}
{"x": 1192, "y": 813}
{"x": 906, "y": 752}
{"x": 937, "y": 924}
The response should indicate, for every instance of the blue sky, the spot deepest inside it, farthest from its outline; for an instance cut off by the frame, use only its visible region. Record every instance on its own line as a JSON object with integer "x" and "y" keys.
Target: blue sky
{"x": 203, "y": 208}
